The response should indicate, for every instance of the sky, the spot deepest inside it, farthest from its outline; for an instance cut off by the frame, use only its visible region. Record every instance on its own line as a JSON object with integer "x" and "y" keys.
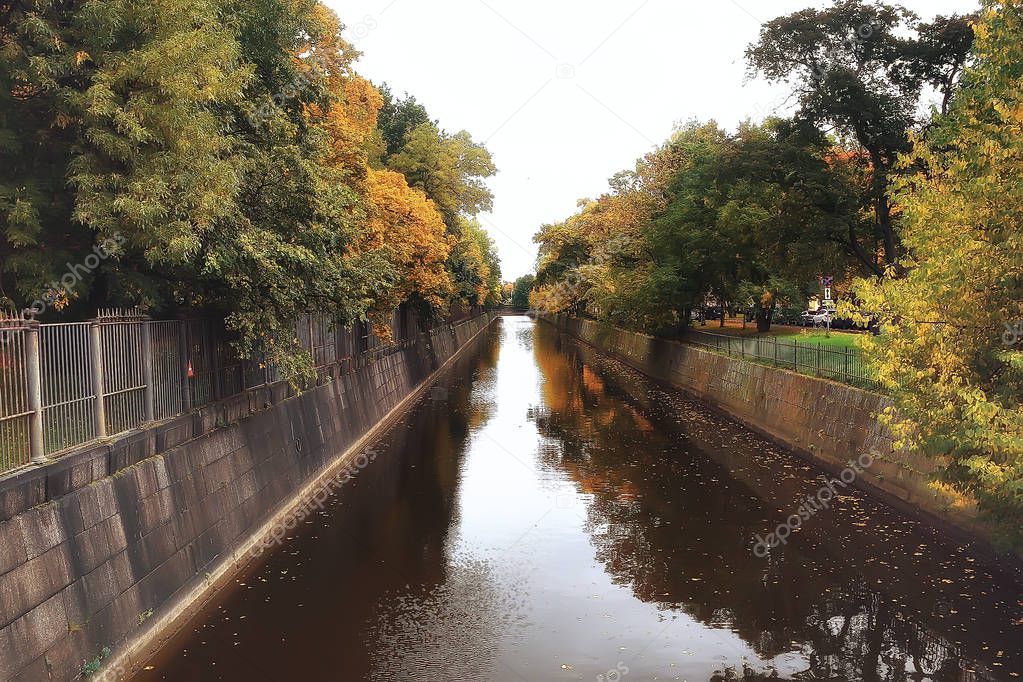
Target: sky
{"x": 566, "y": 93}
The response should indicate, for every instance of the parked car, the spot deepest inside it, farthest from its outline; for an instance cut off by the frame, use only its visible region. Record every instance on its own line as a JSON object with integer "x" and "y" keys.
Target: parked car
{"x": 822, "y": 318}
{"x": 815, "y": 318}
{"x": 708, "y": 314}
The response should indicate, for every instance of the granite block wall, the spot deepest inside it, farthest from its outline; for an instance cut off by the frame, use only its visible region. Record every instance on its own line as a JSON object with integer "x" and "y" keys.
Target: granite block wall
{"x": 106, "y": 546}
{"x": 828, "y": 422}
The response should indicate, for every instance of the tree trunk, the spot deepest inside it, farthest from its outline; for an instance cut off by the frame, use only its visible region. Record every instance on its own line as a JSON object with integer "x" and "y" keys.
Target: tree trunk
{"x": 884, "y": 221}
{"x": 882, "y": 207}
{"x": 764, "y": 316}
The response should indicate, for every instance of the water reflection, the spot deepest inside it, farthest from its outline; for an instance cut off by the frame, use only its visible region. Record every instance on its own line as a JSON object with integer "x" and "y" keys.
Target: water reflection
{"x": 550, "y": 515}
{"x": 860, "y": 593}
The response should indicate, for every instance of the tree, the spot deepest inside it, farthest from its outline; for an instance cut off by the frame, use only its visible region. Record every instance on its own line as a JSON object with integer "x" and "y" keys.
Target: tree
{"x": 690, "y": 256}
{"x": 409, "y": 230}
{"x": 860, "y": 67}
{"x": 520, "y": 293}
{"x": 219, "y": 152}
{"x": 397, "y": 120}
{"x": 119, "y": 100}
{"x": 816, "y": 223}
{"x": 222, "y": 146}
{"x": 289, "y": 245}
{"x": 475, "y": 266}
{"x": 450, "y": 169}
{"x": 949, "y": 348}
{"x": 755, "y": 216}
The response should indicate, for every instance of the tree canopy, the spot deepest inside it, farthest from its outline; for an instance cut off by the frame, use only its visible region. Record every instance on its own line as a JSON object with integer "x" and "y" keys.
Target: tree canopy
{"x": 230, "y": 157}
{"x": 949, "y": 352}
{"x": 751, "y": 217}
{"x": 861, "y": 68}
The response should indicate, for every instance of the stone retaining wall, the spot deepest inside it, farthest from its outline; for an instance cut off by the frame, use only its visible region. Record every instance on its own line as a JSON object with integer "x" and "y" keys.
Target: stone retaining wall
{"x": 828, "y": 422}
{"x": 107, "y": 548}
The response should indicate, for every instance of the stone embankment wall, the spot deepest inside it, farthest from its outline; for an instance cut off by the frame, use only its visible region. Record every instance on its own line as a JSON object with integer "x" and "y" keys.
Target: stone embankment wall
{"x": 828, "y": 422}
{"x": 105, "y": 550}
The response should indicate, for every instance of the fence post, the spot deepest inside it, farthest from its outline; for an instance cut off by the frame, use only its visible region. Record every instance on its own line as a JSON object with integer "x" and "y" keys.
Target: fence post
{"x": 99, "y": 407}
{"x": 147, "y": 370}
{"x": 845, "y": 372}
{"x": 217, "y": 385}
{"x": 35, "y": 396}
{"x": 312, "y": 343}
{"x": 186, "y": 389}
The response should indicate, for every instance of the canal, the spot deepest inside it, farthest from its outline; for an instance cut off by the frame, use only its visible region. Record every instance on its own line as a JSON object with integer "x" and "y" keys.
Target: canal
{"x": 545, "y": 513}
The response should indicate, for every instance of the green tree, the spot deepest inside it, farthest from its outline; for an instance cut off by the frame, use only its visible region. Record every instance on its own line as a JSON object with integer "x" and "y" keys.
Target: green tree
{"x": 396, "y": 121}
{"x": 691, "y": 257}
{"x": 755, "y": 216}
{"x": 450, "y": 169}
{"x": 475, "y": 266}
{"x": 118, "y": 99}
{"x": 520, "y": 293}
{"x": 191, "y": 134}
{"x": 861, "y": 67}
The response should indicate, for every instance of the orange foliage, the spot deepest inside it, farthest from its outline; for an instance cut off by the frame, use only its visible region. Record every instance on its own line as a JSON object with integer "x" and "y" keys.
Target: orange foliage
{"x": 410, "y": 229}
{"x": 350, "y": 124}
{"x": 352, "y": 116}
{"x": 401, "y": 223}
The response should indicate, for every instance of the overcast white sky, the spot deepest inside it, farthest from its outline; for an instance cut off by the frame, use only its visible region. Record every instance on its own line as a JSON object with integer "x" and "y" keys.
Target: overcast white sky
{"x": 565, "y": 93}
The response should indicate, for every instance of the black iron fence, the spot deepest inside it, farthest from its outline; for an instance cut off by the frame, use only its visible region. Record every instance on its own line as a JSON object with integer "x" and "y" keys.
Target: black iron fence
{"x": 839, "y": 363}
{"x": 66, "y": 384}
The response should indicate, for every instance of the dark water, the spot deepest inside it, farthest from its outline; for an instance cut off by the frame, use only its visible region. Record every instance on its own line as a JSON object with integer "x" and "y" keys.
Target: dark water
{"x": 550, "y": 515}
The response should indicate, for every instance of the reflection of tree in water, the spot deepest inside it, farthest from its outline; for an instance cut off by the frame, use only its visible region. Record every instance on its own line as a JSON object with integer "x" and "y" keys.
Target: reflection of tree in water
{"x": 416, "y": 509}
{"x": 676, "y": 527}
{"x": 334, "y": 591}
{"x": 441, "y": 428}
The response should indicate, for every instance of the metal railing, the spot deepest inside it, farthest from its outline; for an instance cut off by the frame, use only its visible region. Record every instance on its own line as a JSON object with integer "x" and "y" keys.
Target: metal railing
{"x": 839, "y": 363}
{"x": 66, "y": 384}
{"x": 20, "y": 403}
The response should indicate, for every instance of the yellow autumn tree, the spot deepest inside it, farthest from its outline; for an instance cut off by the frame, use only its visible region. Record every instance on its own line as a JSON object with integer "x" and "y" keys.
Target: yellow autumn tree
{"x": 401, "y": 225}
{"x": 349, "y": 113}
{"x": 350, "y": 124}
{"x": 950, "y": 348}
{"x": 407, "y": 226}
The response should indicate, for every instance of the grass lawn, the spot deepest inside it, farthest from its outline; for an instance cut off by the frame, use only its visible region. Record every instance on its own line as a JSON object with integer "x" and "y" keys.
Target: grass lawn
{"x": 805, "y": 350}
{"x": 838, "y": 339}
